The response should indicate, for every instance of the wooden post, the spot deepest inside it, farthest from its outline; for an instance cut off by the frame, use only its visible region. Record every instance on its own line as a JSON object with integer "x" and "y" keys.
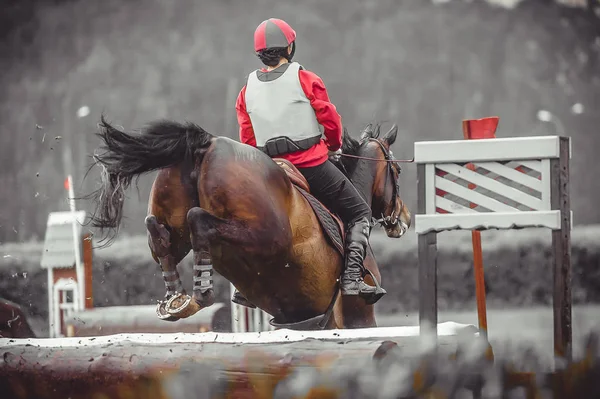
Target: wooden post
{"x": 479, "y": 129}
{"x": 427, "y": 264}
{"x": 87, "y": 270}
{"x": 478, "y": 273}
{"x": 561, "y": 244}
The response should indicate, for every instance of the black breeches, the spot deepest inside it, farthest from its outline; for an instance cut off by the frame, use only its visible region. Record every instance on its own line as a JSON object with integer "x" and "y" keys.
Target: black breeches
{"x": 330, "y": 186}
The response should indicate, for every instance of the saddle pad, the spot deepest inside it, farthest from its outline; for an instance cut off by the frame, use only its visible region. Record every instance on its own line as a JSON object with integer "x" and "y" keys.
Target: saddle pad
{"x": 333, "y": 226}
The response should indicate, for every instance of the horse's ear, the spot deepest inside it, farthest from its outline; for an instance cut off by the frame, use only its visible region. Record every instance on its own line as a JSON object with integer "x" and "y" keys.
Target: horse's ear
{"x": 390, "y": 137}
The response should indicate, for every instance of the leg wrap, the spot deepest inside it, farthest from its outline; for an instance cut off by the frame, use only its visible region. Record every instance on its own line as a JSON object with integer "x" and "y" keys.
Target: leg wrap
{"x": 172, "y": 282}
{"x": 203, "y": 276}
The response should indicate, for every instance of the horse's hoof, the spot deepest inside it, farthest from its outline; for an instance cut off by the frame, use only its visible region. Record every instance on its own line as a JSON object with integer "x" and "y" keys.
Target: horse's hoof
{"x": 374, "y": 297}
{"x": 182, "y": 306}
{"x": 204, "y": 299}
{"x": 161, "y": 312}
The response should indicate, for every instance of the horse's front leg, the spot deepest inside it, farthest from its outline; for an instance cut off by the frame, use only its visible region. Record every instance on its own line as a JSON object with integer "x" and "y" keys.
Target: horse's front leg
{"x": 182, "y": 305}
{"x": 159, "y": 241}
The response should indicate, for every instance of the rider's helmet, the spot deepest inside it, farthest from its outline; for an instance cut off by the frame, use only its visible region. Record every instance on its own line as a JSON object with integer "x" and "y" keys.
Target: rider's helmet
{"x": 271, "y": 40}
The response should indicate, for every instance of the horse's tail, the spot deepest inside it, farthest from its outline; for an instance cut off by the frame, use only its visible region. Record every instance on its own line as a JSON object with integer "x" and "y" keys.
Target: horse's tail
{"x": 161, "y": 144}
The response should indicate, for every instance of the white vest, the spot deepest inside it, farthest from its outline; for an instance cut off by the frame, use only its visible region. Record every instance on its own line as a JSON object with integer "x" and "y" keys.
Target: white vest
{"x": 280, "y": 108}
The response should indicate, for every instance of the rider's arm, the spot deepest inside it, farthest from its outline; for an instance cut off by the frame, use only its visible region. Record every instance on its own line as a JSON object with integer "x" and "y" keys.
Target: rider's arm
{"x": 327, "y": 115}
{"x": 246, "y": 130}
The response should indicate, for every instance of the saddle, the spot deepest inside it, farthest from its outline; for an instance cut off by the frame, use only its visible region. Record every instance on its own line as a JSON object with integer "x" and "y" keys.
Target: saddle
{"x": 331, "y": 224}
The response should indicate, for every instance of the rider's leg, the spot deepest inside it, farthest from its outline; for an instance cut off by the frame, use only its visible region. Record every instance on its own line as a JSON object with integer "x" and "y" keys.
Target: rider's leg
{"x": 329, "y": 185}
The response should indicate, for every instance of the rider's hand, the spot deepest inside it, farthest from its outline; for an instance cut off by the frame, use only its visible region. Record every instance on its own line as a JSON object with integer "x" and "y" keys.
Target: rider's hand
{"x": 335, "y": 155}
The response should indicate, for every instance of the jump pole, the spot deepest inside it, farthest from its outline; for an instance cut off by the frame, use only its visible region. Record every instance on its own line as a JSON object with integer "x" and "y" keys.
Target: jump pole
{"x": 474, "y": 129}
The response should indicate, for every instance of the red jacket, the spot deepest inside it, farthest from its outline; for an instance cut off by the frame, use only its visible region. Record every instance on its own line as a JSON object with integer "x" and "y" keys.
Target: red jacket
{"x": 326, "y": 113}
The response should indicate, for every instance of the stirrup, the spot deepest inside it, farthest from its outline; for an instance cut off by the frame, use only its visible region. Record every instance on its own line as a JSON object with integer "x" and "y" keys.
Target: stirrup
{"x": 370, "y": 299}
{"x": 373, "y": 297}
{"x": 241, "y": 300}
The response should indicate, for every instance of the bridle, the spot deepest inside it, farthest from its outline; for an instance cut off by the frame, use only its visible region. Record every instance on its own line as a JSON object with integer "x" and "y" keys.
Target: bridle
{"x": 393, "y": 219}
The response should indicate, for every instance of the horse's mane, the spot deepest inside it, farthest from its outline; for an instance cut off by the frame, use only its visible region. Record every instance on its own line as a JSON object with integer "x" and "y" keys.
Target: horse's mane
{"x": 352, "y": 146}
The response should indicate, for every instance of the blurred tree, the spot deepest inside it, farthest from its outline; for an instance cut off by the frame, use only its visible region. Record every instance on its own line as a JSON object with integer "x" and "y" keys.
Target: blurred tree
{"x": 425, "y": 66}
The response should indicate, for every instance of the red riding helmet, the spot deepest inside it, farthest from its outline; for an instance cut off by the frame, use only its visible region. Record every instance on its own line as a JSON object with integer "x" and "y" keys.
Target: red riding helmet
{"x": 273, "y": 33}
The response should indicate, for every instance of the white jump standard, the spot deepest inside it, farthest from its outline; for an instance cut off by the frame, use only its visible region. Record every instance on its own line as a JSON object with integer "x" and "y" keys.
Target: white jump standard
{"x": 518, "y": 183}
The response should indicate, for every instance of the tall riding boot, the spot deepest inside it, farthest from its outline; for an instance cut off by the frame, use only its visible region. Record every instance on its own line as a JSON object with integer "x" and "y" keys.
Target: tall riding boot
{"x": 357, "y": 240}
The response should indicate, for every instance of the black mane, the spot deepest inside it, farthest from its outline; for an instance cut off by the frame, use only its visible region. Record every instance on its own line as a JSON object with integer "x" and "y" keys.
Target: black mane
{"x": 352, "y": 146}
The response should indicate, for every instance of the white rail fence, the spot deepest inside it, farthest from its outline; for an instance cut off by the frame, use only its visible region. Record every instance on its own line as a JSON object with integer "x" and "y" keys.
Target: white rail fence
{"x": 511, "y": 184}
{"x": 497, "y": 183}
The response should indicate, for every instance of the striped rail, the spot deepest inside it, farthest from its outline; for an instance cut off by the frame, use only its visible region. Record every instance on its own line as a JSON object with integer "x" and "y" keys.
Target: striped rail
{"x": 508, "y": 181}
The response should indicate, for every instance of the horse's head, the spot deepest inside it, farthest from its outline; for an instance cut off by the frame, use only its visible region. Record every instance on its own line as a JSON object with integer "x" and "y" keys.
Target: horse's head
{"x": 376, "y": 178}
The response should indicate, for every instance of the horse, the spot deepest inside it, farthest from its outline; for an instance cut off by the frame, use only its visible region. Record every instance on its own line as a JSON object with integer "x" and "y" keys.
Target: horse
{"x": 249, "y": 217}
{"x": 13, "y": 322}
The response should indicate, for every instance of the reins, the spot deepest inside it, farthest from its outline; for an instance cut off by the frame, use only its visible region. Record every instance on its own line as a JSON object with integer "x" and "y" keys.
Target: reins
{"x": 378, "y": 159}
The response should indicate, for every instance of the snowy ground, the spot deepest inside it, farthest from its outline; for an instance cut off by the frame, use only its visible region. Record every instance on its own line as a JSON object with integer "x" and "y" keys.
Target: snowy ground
{"x": 532, "y": 327}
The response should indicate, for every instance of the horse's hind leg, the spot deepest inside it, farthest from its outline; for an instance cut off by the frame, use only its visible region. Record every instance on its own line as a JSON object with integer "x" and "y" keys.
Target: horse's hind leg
{"x": 183, "y": 305}
{"x": 165, "y": 252}
{"x": 204, "y": 292}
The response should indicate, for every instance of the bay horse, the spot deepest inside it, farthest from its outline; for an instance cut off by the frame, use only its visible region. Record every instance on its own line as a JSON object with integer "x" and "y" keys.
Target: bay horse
{"x": 249, "y": 217}
{"x": 13, "y": 322}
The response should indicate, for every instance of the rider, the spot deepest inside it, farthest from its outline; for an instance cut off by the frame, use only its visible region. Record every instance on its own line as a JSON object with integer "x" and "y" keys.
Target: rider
{"x": 281, "y": 110}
